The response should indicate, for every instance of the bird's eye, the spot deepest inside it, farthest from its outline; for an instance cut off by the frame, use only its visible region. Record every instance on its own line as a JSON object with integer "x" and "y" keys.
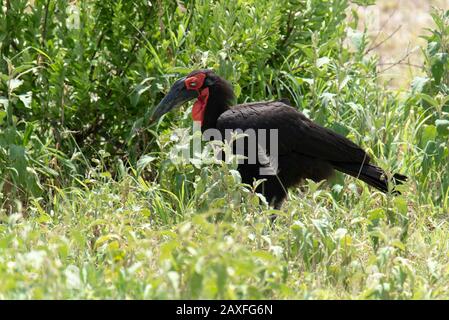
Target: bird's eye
{"x": 195, "y": 82}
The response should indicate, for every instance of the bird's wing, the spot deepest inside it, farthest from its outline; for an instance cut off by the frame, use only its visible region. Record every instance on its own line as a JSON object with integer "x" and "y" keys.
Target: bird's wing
{"x": 296, "y": 133}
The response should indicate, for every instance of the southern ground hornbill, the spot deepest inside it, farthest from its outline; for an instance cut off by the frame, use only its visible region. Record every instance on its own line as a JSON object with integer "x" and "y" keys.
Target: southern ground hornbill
{"x": 305, "y": 149}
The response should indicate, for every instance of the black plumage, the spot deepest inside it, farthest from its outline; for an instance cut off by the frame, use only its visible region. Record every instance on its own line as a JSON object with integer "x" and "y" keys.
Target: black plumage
{"x": 305, "y": 149}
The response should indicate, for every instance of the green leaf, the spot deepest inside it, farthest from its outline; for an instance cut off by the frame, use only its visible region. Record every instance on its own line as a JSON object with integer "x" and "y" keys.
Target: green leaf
{"x": 433, "y": 48}
{"x": 2, "y": 115}
{"x": 322, "y": 61}
{"x": 398, "y": 244}
{"x": 13, "y": 84}
{"x": 431, "y": 148}
{"x": 376, "y": 214}
{"x": 237, "y": 90}
{"x": 429, "y": 134}
{"x": 364, "y": 2}
{"x": 144, "y": 161}
{"x": 401, "y": 205}
{"x": 103, "y": 239}
{"x": 24, "y": 175}
{"x": 438, "y": 66}
{"x": 27, "y": 135}
{"x": 26, "y": 99}
{"x": 357, "y": 38}
{"x": 340, "y": 128}
{"x": 418, "y": 84}
{"x": 138, "y": 91}
{"x": 4, "y": 102}
{"x": 442, "y": 127}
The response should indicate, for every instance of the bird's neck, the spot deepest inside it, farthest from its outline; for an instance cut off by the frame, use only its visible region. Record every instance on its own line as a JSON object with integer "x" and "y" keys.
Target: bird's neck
{"x": 219, "y": 101}
{"x": 214, "y": 109}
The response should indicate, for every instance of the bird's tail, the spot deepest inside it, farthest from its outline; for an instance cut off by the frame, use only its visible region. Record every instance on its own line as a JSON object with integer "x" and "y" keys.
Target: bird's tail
{"x": 372, "y": 175}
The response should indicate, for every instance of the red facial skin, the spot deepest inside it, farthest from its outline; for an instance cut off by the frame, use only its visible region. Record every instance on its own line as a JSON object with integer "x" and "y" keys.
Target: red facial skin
{"x": 195, "y": 83}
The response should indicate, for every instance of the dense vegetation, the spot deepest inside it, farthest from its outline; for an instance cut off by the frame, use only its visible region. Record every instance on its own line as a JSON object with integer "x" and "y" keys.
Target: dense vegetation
{"x": 95, "y": 203}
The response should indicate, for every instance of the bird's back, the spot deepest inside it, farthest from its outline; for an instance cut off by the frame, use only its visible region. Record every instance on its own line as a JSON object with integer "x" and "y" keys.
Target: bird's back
{"x": 296, "y": 132}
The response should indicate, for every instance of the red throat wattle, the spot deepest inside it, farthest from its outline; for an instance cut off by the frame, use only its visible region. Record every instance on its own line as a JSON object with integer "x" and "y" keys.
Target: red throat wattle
{"x": 195, "y": 83}
{"x": 199, "y": 106}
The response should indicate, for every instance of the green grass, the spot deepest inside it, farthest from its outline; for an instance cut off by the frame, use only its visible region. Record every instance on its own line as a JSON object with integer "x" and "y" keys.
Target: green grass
{"x": 95, "y": 205}
{"x": 114, "y": 242}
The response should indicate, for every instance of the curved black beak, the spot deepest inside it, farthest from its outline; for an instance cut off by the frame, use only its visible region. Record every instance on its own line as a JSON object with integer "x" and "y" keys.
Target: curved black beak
{"x": 177, "y": 96}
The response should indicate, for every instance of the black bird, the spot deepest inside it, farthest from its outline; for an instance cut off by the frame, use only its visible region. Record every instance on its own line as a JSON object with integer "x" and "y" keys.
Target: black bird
{"x": 305, "y": 149}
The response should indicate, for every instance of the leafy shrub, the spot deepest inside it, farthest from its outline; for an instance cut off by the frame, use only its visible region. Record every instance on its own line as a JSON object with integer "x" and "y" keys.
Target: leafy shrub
{"x": 432, "y": 94}
{"x": 89, "y": 73}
